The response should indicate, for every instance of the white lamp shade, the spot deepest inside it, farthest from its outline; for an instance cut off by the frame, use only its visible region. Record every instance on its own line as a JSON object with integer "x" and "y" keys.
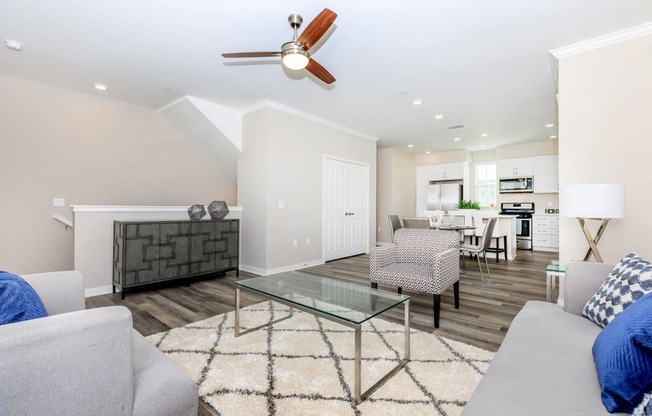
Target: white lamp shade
{"x": 592, "y": 201}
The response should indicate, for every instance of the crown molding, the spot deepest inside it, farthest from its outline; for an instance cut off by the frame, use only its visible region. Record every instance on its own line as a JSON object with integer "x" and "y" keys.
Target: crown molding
{"x": 306, "y": 116}
{"x": 602, "y": 41}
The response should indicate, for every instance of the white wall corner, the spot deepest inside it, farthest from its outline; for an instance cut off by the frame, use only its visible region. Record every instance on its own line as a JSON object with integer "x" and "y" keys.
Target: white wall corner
{"x": 229, "y": 121}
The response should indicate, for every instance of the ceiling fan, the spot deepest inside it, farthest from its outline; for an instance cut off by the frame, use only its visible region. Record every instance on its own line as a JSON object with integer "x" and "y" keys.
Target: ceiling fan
{"x": 295, "y": 54}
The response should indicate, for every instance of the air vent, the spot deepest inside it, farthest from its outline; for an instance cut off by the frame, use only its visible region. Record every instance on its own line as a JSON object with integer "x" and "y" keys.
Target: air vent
{"x": 457, "y": 127}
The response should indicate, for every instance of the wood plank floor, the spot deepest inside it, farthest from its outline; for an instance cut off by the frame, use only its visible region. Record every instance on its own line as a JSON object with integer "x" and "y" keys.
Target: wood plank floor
{"x": 485, "y": 313}
{"x": 483, "y": 318}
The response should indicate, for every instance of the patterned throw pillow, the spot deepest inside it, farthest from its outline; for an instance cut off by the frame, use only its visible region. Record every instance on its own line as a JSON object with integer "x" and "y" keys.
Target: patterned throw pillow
{"x": 645, "y": 408}
{"x": 630, "y": 280}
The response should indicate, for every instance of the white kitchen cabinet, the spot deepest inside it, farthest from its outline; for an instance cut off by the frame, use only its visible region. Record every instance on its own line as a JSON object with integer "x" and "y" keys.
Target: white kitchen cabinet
{"x": 546, "y": 174}
{"x": 545, "y": 232}
{"x": 448, "y": 171}
{"x": 515, "y": 167}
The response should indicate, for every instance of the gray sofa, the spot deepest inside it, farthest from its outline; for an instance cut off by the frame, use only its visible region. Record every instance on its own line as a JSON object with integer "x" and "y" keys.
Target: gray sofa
{"x": 80, "y": 362}
{"x": 545, "y": 365}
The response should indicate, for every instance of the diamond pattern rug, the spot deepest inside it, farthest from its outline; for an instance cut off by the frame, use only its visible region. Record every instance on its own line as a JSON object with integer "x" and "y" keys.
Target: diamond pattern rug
{"x": 304, "y": 366}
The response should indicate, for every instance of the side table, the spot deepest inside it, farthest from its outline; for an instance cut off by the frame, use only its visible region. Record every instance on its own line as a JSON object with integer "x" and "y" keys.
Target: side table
{"x": 555, "y": 273}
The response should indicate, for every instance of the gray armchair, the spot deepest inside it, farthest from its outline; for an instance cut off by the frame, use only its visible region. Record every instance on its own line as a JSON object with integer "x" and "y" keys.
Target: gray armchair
{"x": 419, "y": 260}
{"x": 80, "y": 362}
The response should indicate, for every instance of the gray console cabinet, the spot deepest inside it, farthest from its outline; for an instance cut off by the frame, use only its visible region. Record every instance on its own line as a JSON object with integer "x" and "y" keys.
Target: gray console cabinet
{"x": 152, "y": 252}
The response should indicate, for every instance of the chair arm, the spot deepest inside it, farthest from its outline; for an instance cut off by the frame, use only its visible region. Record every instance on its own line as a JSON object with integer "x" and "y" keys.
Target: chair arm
{"x": 581, "y": 282}
{"x": 381, "y": 256}
{"x": 73, "y": 364}
{"x": 446, "y": 268}
{"x": 60, "y": 292}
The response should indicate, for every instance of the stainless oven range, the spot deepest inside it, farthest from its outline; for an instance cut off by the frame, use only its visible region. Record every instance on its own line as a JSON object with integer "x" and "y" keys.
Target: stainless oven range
{"x": 523, "y": 212}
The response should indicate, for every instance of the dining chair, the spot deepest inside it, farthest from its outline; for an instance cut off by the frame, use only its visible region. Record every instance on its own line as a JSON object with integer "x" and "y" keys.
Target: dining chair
{"x": 435, "y": 217}
{"x": 420, "y": 222}
{"x": 476, "y": 250}
{"x": 497, "y": 236}
{"x": 394, "y": 224}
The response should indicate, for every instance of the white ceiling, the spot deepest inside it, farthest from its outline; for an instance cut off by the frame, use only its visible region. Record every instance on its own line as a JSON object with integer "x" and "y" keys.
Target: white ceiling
{"x": 484, "y": 64}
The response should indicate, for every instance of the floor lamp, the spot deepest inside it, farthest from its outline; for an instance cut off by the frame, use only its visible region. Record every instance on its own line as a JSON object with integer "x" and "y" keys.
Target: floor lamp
{"x": 601, "y": 202}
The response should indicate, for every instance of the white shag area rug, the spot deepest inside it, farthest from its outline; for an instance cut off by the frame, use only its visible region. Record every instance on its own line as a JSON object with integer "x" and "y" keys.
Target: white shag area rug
{"x": 304, "y": 366}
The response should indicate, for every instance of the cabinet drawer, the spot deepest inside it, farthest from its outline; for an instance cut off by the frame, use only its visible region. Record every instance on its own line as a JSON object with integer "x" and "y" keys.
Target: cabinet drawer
{"x": 554, "y": 221}
{"x": 541, "y": 227}
{"x": 542, "y": 241}
{"x": 554, "y": 241}
{"x": 542, "y": 232}
{"x": 544, "y": 221}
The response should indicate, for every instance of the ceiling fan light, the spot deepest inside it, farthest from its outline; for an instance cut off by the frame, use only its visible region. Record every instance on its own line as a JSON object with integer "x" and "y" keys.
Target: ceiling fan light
{"x": 295, "y": 58}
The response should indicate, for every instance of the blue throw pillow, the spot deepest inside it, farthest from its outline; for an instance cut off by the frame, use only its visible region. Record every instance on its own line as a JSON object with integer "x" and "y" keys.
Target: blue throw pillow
{"x": 623, "y": 357}
{"x": 18, "y": 300}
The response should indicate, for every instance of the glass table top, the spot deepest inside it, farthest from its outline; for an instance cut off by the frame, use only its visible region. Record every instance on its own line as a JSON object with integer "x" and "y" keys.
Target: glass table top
{"x": 347, "y": 301}
{"x": 555, "y": 266}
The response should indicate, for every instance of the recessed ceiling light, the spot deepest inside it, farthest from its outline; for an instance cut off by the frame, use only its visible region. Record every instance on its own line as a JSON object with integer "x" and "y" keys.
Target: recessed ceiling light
{"x": 457, "y": 139}
{"x": 410, "y": 145}
{"x": 14, "y": 45}
{"x": 553, "y": 137}
{"x": 417, "y": 101}
{"x": 482, "y": 145}
{"x": 550, "y": 125}
{"x": 99, "y": 86}
{"x": 428, "y": 152}
{"x": 439, "y": 116}
{"x": 484, "y": 135}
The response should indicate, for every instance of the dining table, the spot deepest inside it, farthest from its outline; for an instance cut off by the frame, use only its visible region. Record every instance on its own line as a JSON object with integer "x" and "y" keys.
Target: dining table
{"x": 453, "y": 227}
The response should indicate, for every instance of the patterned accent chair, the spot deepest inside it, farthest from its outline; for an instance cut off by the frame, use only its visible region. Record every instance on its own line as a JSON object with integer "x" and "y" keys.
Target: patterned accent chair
{"x": 419, "y": 260}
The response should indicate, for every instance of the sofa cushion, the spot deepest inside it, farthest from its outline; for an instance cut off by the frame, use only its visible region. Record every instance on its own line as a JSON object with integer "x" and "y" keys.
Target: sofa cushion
{"x": 18, "y": 300}
{"x": 623, "y": 357}
{"x": 544, "y": 367}
{"x": 630, "y": 280}
{"x": 155, "y": 373}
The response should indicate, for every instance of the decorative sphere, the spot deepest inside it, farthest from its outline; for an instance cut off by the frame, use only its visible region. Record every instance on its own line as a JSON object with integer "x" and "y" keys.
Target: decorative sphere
{"x": 196, "y": 211}
{"x": 218, "y": 210}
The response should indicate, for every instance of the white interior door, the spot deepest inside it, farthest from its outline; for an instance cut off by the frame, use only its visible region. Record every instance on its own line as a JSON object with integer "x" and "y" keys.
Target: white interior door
{"x": 346, "y": 213}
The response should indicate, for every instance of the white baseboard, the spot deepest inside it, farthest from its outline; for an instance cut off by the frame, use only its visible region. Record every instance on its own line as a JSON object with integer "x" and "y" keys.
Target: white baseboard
{"x": 267, "y": 272}
{"x": 96, "y": 291}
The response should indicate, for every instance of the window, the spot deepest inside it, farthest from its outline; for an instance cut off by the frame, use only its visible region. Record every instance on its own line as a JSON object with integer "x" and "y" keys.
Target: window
{"x": 485, "y": 184}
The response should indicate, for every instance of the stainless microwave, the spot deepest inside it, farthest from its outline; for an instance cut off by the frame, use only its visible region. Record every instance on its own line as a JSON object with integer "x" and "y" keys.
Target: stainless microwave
{"x": 514, "y": 185}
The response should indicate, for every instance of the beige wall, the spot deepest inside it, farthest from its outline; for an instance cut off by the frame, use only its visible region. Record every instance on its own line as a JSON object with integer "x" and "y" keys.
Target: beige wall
{"x": 89, "y": 150}
{"x": 282, "y": 160}
{"x": 443, "y": 157}
{"x": 396, "y": 188}
{"x": 605, "y": 102}
{"x": 546, "y": 147}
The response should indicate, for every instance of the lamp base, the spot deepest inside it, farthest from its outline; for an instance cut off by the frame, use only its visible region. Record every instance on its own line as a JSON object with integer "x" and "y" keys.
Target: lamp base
{"x": 593, "y": 241}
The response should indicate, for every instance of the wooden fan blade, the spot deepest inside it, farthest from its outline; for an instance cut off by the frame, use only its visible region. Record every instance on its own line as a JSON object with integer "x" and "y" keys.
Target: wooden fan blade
{"x": 250, "y": 54}
{"x": 316, "y": 29}
{"x": 319, "y": 71}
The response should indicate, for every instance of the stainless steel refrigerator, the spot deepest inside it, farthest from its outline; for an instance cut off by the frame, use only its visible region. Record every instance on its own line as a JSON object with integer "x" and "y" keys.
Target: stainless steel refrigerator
{"x": 444, "y": 196}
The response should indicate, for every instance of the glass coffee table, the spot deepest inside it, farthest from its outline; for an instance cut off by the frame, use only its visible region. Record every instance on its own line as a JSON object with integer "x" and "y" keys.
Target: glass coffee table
{"x": 345, "y": 303}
